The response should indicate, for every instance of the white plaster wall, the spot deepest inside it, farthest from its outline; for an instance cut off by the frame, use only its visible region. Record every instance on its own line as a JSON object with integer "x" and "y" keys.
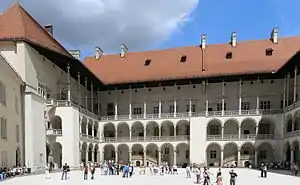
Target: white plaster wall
{"x": 197, "y": 139}
{"x": 13, "y": 93}
{"x": 70, "y": 139}
{"x": 35, "y": 136}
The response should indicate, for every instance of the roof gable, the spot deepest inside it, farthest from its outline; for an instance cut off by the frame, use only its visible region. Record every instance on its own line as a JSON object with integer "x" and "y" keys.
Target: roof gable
{"x": 17, "y": 23}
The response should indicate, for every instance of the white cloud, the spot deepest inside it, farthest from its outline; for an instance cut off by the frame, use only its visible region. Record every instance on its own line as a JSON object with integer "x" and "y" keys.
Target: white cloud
{"x": 108, "y": 23}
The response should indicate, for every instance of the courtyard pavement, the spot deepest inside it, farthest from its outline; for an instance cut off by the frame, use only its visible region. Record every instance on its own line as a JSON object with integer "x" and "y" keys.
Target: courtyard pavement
{"x": 245, "y": 177}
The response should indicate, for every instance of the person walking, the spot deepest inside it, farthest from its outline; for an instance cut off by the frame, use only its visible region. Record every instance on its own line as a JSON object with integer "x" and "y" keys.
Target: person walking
{"x": 65, "y": 171}
{"x": 126, "y": 171}
{"x": 233, "y": 177}
{"x": 92, "y": 168}
{"x": 198, "y": 175}
{"x": 47, "y": 171}
{"x": 188, "y": 171}
{"x": 85, "y": 172}
{"x": 265, "y": 171}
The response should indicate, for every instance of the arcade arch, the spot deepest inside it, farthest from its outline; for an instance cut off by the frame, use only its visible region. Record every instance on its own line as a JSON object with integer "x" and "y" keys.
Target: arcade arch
{"x": 167, "y": 128}
{"x": 152, "y": 129}
{"x": 137, "y": 129}
{"x": 183, "y": 154}
{"x": 152, "y": 151}
{"x": 297, "y": 120}
{"x": 266, "y": 128}
{"x": 231, "y": 128}
{"x": 213, "y": 154}
{"x": 296, "y": 150}
{"x": 109, "y": 130}
{"x": 289, "y": 124}
{"x": 83, "y": 152}
{"x": 90, "y": 152}
{"x": 90, "y": 127}
{"x": 123, "y": 153}
{"x": 109, "y": 152}
{"x": 265, "y": 153}
{"x": 247, "y": 154}
{"x": 96, "y": 153}
{"x": 123, "y": 130}
{"x": 167, "y": 154}
{"x": 57, "y": 154}
{"x": 183, "y": 128}
{"x": 84, "y": 125}
{"x": 56, "y": 122}
{"x": 248, "y": 128}
{"x": 230, "y": 154}
{"x": 214, "y": 128}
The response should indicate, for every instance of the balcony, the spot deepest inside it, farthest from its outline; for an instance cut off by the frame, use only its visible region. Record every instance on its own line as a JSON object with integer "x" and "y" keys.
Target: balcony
{"x": 54, "y": 132}
{"x": 292, "y": 134}
{"x": 193, "y": 114}
{"x": 235, "y": 137}
{"x": 65, "y": 103}
{"x": 89, "y": 137}
{"x": 146, "y": 139}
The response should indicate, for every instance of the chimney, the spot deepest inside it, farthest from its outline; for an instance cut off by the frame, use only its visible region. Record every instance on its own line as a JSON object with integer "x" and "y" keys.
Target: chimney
{"x": 233, "y": 39}
{"x": 98, "y": 52}
{"x": 124, "y": 50}
{"x": 75, "y": 54}
{"x": 274, "y": 35}
{"x": 203, "y": 41}
{"x": 49, "y": 29}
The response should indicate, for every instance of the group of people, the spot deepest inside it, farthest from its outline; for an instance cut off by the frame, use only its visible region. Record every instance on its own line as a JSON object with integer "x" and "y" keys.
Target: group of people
{"x": 205, "y": 177}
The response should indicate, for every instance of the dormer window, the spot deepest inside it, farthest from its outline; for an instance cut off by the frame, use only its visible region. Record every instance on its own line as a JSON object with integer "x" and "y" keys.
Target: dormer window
{"x": 147, "y": 62}
{"x": 269, "y": 52}
{"x": 229, "y": 55}
{"x": 183, "y": 58}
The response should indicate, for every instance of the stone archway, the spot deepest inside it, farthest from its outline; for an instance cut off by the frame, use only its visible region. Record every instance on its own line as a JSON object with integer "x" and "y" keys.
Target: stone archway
{"x": 296, "y": 150}
{"x": 83, "y": 152}
{"x": 123, "y": 130}
{"x": 152, "y": 130}
{"x": 183, "y": 128}
{"x": 214, "y": 129}
{"x": 96, "y": 126}
{"x": 247, "y": 155}
{"x": 167, "y": 153}
{"x": 231, "y": 129}
{"x": 152, "y": 154}
{"x": 109, "y": 130}
{"x": 90, "y": 152}
{"x": 213, "y": 154}
{"x": 287, "y": 149}
{"x": 123, "y": 153}
{"x": 137, "y": 156}
{"x": 57, "y": 154}
{"x": 297, "y": 120}
{"x": 84, "y": 125}
{"x": 90, "y": 127}
{"x": 167, "y": 129}
{"x": 265, "y": 129}
{"x": 265, "y": 153}
{"x": 248, "y": 128}
{"x": 183, "y": 154}
{"x": 231, "y": 154}
{"x": 289, "y": 124}
{"x": 56, "y": 122}
{"x": 137, "y": 131}
{"x": 96, "y": 153}
{"x": 109, "y": 152}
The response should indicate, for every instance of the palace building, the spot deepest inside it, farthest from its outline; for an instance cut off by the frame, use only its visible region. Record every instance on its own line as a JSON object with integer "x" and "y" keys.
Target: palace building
{"x": 213, "y": 104}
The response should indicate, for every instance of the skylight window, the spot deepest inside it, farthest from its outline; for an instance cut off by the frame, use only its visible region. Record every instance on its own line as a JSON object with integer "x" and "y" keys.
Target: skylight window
{"x": 269, "y": 52}
{"x": 183, "y": 58}
{"x": 229, "y": 55}
{"x": 147, "y": 62}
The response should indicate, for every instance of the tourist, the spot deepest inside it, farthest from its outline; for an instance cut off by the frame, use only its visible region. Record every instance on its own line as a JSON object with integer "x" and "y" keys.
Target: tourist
{"x": 265, "y": 170}
{"x": 85, "y": 172}
{"x": 188, "y": 171}
{"x": 262, "y": 170}
{"x": 92, "y": 168}
{"x": 295, "y": 169}
{"x": 126, "y": 171}
{"x": 233, "y": 177}
{"x": 47, "y": 171}
{"x": 206, "y": 176}
{"x": 65, "y": 171}
{"x": 219, "y": 177}
{"x": 130, "y": 170}
{"x": 198, "y": 175}
{"x": 175, "y": 171}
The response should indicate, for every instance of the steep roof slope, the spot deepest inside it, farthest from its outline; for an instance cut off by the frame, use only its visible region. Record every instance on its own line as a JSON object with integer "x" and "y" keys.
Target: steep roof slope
{"x": 248, "y": 57}
{"x": 17, "y": 24}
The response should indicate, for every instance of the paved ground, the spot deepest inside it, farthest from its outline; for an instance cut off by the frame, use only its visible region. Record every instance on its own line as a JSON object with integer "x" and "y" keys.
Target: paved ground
{"x": 245, "y": 177}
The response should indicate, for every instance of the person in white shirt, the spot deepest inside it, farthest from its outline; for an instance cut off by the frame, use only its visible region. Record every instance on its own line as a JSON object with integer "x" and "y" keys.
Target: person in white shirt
{"x": 198, "y": 175}
{"x": 188, "y": 171}
{"x": 47, "y": 171}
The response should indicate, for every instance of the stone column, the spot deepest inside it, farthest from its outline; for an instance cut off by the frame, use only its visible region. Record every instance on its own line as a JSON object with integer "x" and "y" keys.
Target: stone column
{"x": 69, "y": 83}
{"x": 159, "y": 108}
{"x": 130, "y": 156}
{"x": 257, "y": 96}
{"x": 206, "y": 98}
{"x": 145, "y": 107}
{"x": 240, "y": 98}
{"x": 239, "y": 136}
{"x": 116, "y": 133}
{"x": 175, "y": 132}
{"x": 239, "y": 158}
{"x": 130, "y": 134}
{"x": 175, "y": 106}
{"x": 159, "y": 158}
{"x": 116, "y": 104}
{"x": 222, "y": 157}
{"x": 116, "y": 156}
{"x": 175, "y": 157}
{"x": 190, "y": 107}
{"x": 295, "y": 84}
{"x": 255, "y": 158}
{"x": 92, "y": 98}
{"x": 130, "y": 106}
{"x": 222, "y": 132}
{"x": 144, "y": 158}
{"x": 223, "y": 100}
{"x": 292, "y": 156}
{"x": 288, "y": 90}
{"x": 86, "y": 90}
{"x": 102, "y": 157}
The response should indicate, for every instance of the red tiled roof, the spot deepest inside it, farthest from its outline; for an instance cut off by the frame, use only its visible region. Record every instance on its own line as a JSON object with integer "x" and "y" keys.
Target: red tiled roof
{"x": 248, "y": 57}
{"x": 16, "y": 23}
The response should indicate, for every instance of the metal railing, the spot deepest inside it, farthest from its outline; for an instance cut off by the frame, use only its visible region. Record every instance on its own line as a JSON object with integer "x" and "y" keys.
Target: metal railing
{"x": 89, "y": 137}
{"x": 55, "y": 132}
{"x": 295, "y": 133}
{"x": 235, "y": 137}
{"x": 147, "y": 138}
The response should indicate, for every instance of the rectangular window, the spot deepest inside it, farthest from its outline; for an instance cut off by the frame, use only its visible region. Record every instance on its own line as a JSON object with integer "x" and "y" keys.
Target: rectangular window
{"x": 213, "y": 154}
{"x": 155, "y": 109}
{"x": 110, "y": 109}
{"x": 17, "y": 133}
{"x": 193, "y": 108}
{"x": 4, "y": 158}
{"x": 245, "y": 106}
{"x": 2, "y": 94}
{"x": 41, "y": 90}
{"x": 219, "y": 106}
{"x": 172, "y": 108}
{"x": 167, "y": 150}
{"x": 3, "y": 128}
{"x": 16, "y": 105}
{"x": 137, "y": 111}
{"x": 265, "y": 105}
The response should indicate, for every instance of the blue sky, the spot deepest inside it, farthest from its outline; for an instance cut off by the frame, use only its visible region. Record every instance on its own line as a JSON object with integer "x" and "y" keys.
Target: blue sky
{"x": 251, "y": 19}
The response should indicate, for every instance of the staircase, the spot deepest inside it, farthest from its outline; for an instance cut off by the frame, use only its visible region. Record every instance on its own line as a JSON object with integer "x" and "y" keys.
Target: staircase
{"x": 140, "y": 158}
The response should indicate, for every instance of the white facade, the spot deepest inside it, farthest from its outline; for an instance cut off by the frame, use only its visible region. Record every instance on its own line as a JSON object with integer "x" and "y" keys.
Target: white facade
{"x": 211, "y": 123}
{"x": 11, "y": 117}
